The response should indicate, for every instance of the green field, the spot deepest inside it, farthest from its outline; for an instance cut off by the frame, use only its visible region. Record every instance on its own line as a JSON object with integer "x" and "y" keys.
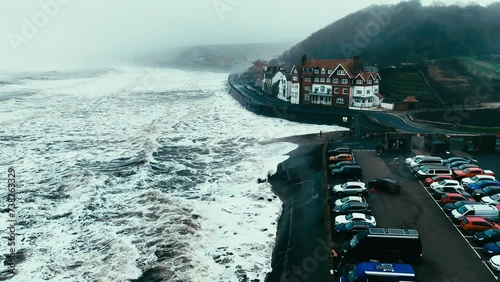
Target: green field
{"x": 396, "y": 86}
{"x": 484, "y": 66}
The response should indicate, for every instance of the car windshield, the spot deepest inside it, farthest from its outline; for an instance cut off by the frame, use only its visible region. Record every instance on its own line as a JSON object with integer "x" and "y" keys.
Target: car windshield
{"x": 458, "y": 204}
{"x": 417, "y": 160}
{"x": 495, "y": 197}
{"x": 497, "y": 244}
{"x": 351, "y": 276}
{"x": 425, "y": 169}
{"x": 490, "y": 232}
{"x": 346, "y": 199}
{"x": 442, "y": 182}
{"x": 487, "y": 189}
{"x": 466, "y": 170}
{"x": 354, "y": 241}
{"x": 462, "y": 209}
{"x": 345, "y": 206}
{"x": 342, "y": 168}
{"x": 343, "y": 185}
{"x": 475, "y": 178}
{"x": 349, "y": 217}
{"x": 348, "y": 225}
{"x": 435, "y": 177}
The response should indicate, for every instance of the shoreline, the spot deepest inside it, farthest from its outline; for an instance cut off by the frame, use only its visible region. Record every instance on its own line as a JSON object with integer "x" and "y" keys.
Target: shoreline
{"x": 301, "y": 251}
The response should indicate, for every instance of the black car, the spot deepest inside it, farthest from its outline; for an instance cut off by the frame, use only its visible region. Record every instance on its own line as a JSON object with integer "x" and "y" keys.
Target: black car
{"x": 486, "y": 191}
{"x": 454, "y": 159}
{"x": 341, "y": 164}
{"x": 385, "y": 184}
{"x": 339, "y": 150}
{"x": 352, "y": 207}
{"x": 487, "y": 236}
{"x": 347, "y": 172}
{"x": 447, "y": 208}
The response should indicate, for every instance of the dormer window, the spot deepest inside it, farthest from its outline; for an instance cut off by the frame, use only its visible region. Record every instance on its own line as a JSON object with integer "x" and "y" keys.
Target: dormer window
{"x": 369, "y": 81}
{"x": 376, "y": 80}
{"x": 359, "y": 81}
{"x": 330, "y": 71}
{"x": 316, "y": 71}
{"x": 323, "y": 71}
{"x": 341, "y": 72}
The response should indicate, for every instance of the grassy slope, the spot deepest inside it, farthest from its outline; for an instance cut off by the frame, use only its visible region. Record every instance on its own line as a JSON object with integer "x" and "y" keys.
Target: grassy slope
{"x": 397, "y": 85}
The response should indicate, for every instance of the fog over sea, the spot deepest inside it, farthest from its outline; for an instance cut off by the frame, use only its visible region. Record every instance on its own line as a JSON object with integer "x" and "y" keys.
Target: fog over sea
{"x": 134, "y": 171}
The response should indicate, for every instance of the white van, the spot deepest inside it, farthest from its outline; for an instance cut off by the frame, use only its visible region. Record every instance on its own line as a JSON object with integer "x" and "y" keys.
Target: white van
{"x": 485, "y": 211}
{"x": 433, "y": 171}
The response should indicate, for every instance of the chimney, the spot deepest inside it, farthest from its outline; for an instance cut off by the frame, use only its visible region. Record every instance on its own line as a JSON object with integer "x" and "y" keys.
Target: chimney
{"x": 357, "y": 65}
{"x": 304, "y": 59}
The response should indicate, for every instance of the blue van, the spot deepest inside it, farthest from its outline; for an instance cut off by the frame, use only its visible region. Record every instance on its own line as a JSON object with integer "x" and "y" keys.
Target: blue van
{"x": 379, "y": 271}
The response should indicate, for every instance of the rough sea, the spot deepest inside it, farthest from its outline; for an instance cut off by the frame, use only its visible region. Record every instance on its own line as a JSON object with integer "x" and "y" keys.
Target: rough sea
{"x": 138, "y": 172}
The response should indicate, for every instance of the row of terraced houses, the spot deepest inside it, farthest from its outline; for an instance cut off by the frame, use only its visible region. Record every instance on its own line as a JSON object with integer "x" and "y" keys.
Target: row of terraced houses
{"x": 340, "y": 83}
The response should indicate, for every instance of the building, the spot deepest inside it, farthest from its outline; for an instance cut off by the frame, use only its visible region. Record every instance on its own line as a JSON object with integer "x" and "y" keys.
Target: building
{"x": 338, "y": 83}
{"x": 275, "y": 82}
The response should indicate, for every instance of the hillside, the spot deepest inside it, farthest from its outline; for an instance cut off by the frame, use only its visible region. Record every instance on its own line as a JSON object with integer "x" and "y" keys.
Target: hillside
{"x": 387, "y": 35}
{"x": 397, "y": 84}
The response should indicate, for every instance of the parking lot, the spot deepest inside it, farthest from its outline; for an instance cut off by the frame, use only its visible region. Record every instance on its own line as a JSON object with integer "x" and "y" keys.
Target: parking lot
{"x": 448, "y": 253}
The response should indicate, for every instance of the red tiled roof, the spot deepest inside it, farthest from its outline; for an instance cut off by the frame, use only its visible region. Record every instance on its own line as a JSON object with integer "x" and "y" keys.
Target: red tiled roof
{"x": 410, "y": 99}
{"x": 347, "y": 64}
{"x": 379, "y": 95}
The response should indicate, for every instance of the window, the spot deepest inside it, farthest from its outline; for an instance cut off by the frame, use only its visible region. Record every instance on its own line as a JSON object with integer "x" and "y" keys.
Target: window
{"x": 367, "y": 91}
{"x": 359, "y": 81}
{"x": 316, "y": 71}
{"x": 316, "y": 79}
{"x": 294, "y": 78}
{"x": 344, "y": 91}
{"x": 323, "y": 71}
{"x": 376, "y": 80}
{"x": 341, "y": 72}
{"x": 330, "y": 71}
{"x": 295, "y": 71}
{"x": 370, "y": 100}
{"x": 336, "y": 90}
{"x": 322, "y": 79}
{"x": 307, "y": 79}
{"x": 369, "y": 81}
{"x": 345, "y": 81}
{"x": 340, "y": 101}
{"x": 336, "y": 81}
{"x": 375, "y": 89}
{"x": 328, "y": 80}
{"x": 307, "y": 88}
{"x": 315, "y": 89}
{"x": 359, "y": 91}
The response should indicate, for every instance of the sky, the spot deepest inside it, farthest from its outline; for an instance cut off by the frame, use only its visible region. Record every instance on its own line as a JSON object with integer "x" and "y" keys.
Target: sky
{"x": 79, "y": 31}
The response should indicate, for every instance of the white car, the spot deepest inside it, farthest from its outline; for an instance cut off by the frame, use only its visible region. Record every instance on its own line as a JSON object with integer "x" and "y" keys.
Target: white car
{"x": 491, "y": 200}
{"x": 494, "y": 262}
{"x": 349, "y": 199}
{"x": 355, "y": 217}
{"x": 408, "y": 160}
{"x": 447, "y": 183}
{"x": 469, "y": 180}
{"x": 350, "y": 188}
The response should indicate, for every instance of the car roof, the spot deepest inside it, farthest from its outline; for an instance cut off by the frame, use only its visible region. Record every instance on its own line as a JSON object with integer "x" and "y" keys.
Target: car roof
{"x": 476, "y": 219}
{"x": 358, "y": 204}
{"x": 450, "y": 181}
{"x": 354, "y": 183}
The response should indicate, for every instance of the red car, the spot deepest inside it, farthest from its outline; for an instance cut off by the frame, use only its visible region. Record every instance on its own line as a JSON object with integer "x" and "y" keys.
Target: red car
{"x": 454, "y": 197}
{"x": 429, "y": 180}
{"x": 471, "y": 224}
{"x": 471, "y": 172}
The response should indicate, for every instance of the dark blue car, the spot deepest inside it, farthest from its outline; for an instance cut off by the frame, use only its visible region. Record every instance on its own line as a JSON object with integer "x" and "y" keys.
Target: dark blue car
{"x": 352, "y": 227}
{"x": 492, "y": 249}
{"x": 481, "y": 184}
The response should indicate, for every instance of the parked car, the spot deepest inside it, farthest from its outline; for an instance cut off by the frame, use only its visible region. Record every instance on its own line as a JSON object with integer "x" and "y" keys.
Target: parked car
{"x": 446, "y": 183}
{"x": 408, "y": 160}
{"x": 349, "y": 188}
{"x": 426, "y": 161}
{"x": 492, "y": 249}
{"x": 349, "y": 199}
{"x": 347, "y": 172}
{"x": 494, "y": 261}
{"x": 481, "y": 184}
{"x": 341, "y": 157}
{"x": 351, "y": 228}
{"x": 470, "y": 172}
{"x": 339, "y": 150}
{"x": 351, "y": 208}
{"x": 439, "y": 192}
{"x": 491, "y": 200}
{"x": 487, "y": 236}
{"x": 485, "y": 211}
{"x": 476, "y": 178}
{"x": 447, "y": 208}
{"x": 341, "y": 164}
{"x": 486, "y": 191}
{"x": 355, "y": 217}
{"x": 454, "y": 197}
{"x": 385, "y": 184}
{"x": 427, "y": 166}
{"x": 429, "y": 180}
{"x": 454, "y": 159}
{"x": 464, "y": 166}
{"x": 429, "y": 172}
{"x": 471, "y": 224}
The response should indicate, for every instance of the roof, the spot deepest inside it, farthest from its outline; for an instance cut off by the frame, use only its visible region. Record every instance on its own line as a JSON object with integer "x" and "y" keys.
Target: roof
{"x": 411, "y": 99}
{"x": 379, "y": 95}
{"x": 350, "y": 65}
